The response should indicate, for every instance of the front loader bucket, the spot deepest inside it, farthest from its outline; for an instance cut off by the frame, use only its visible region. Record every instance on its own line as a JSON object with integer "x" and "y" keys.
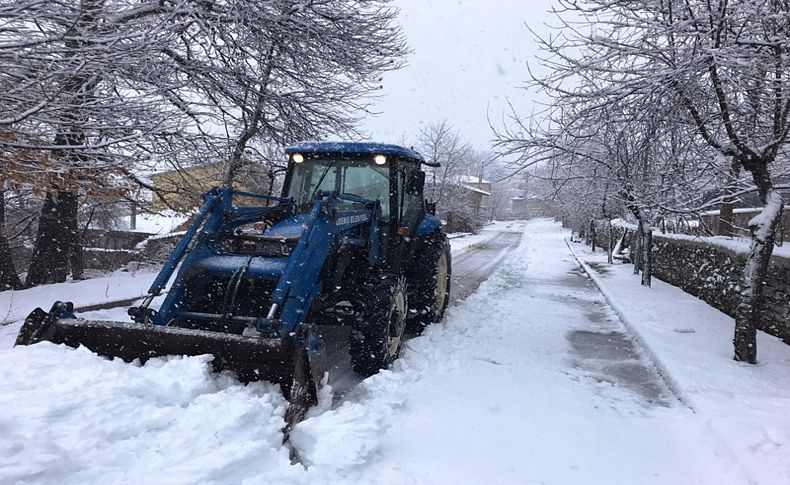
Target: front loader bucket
{"x": 299, "y": 363}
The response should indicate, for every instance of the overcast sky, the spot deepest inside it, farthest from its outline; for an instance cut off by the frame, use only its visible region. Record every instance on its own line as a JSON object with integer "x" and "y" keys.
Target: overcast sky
{"x": 469, "y": 57}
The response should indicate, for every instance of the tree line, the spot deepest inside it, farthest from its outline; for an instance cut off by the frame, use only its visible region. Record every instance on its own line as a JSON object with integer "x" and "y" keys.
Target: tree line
{"x": 464, "y": 171}
{"x": 95, "y": 94}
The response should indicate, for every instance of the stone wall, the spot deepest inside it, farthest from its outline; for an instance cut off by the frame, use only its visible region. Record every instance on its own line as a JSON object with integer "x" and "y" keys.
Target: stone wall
{"x": 109, "y": 239}
{"x": 713, "y": 273}
{"x": 157, "y": 249}
{"x": 107, "y": 259}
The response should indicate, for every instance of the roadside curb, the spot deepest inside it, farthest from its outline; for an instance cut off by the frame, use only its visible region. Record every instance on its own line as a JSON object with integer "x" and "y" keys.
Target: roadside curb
{"x": 670, "y": 381}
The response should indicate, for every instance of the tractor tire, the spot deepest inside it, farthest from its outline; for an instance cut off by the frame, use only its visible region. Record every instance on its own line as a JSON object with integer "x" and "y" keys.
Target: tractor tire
{"x": 430, "y": 288}
{"x": 377, "y": 337}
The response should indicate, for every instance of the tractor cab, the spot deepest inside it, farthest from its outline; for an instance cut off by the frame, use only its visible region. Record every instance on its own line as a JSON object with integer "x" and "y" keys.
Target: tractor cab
{"x": 389, "y": 174}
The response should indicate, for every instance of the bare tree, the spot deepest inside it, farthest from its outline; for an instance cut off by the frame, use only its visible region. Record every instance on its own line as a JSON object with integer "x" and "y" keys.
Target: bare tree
{"x": 448, "y": 185}
{"x": 252, "y": 74}
{"x": 722, "y": 64}
{"x": 79, "y": 106}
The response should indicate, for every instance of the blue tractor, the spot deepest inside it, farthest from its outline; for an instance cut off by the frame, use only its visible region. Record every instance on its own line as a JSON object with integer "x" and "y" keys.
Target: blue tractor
{"x": 283, "y": 288}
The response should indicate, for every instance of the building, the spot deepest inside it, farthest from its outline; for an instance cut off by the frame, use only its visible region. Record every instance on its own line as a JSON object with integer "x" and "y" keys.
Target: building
{"x": 740, "y": 223}
{"x": 182, "y": 188}
{"x": 528, "y": 207}
{"x": 478, "y": 192}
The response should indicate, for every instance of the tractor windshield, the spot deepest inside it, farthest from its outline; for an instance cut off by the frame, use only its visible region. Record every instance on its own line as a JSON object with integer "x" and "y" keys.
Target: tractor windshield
{"x": 359, "y": 177}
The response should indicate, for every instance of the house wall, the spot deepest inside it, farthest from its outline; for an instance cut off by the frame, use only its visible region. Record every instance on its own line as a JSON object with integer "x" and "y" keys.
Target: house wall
{"x": 185, "y": 187}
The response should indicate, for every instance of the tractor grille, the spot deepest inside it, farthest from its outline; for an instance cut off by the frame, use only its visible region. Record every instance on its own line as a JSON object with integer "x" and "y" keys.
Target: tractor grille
{"x": 212, "y": 294}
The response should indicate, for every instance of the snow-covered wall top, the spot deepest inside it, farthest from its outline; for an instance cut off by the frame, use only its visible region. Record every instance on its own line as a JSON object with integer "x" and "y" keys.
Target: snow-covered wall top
{"x": 710, "y": 268}
{"x": 737, "y": 245}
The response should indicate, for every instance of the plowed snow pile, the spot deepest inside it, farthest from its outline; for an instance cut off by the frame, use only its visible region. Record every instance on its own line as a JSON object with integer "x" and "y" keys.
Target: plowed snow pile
{"x": 70, "y": 416}
{"x": 504, "y": 391}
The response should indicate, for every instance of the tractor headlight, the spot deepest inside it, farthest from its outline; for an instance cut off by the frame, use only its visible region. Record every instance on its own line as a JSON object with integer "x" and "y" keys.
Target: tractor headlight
{"x": 297, "y": 158}
{"x": 380, "y": 160}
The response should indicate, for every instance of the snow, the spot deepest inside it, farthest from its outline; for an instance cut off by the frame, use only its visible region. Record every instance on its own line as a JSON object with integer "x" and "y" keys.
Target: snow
{"x": 120, "y": 285}
{"x": 770, "y": 213}
{"x": 740, "y": 210}
{"x": 738, "y": 245}
{"x": 88, "y": 420}
{"x": 462, "y": 241}
{"x": 500, "y": 392}
{"x": 744, "y": 406}
{"x": 471, "y": 179}
{"x": 162, "y": 223}
{"x": 474, "y": 189}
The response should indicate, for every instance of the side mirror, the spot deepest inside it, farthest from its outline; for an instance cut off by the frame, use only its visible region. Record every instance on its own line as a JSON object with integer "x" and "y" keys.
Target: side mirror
{"x": 430, "y": 207}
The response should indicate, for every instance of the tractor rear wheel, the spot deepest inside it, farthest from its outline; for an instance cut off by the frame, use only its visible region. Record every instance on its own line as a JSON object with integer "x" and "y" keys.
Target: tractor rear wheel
{"x": 377, "y": 337}
{"x": 430, "y": 291}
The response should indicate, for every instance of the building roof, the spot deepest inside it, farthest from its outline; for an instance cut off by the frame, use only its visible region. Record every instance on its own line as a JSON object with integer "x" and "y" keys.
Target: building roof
{"x": 474, "y": 189}
{"x": 353, "y": 148}
{"x": 472, "y": 179}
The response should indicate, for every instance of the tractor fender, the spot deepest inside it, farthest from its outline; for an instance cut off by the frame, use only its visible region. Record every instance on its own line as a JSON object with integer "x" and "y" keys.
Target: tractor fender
{"x": 428, "y": 225}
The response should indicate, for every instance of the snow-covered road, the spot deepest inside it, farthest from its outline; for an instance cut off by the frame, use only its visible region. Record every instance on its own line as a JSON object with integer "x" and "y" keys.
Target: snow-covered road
{"x": 531, "y": 379}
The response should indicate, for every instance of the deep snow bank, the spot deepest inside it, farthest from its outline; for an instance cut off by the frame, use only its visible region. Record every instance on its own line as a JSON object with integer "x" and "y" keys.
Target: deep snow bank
{"x": 71, "y": 417}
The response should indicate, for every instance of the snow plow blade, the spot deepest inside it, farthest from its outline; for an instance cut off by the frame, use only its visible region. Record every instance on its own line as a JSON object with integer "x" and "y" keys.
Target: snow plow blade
{"x": 299, "y": 363}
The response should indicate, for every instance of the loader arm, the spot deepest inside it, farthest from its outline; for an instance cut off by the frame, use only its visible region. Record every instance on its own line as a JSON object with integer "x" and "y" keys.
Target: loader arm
{"x": 208, "y": 221}
{"x": 299, "y": 281}
{"x": 325, "y": 227}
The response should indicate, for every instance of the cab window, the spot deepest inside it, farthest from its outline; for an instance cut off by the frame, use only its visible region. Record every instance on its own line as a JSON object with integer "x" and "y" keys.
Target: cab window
{"x": 358, "y": 177}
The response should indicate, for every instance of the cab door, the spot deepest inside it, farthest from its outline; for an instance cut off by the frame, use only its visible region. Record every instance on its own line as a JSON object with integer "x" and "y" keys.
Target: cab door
{"x": 410, "y": 209}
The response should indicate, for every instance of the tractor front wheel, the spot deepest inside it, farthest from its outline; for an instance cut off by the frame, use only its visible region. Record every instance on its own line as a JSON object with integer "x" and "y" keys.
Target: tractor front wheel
{"x": 378, "y": 335}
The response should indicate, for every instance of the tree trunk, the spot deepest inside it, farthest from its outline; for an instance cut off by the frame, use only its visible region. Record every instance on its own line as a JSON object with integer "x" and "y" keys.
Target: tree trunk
{"x": 726, "y": 222}
{"x": 69, "y": 208}
{"x": 592, "y": 235}
{"x": 9, "y": 279}
{"x": 610, "y": 245}
{"x": 643, "y": 260}
{"x": 647, "y": 254}
{"x": 54, "y": 239}
{"x": 133, "y": 216}
{"x": 636, "y": 251}
{"x": 747, "y": 314}
{"x": 77, "y": 261}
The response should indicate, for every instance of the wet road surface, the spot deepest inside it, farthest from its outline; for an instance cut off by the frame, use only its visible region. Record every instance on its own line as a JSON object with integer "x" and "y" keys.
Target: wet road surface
{"x": 475, "y": 265}
{"x": 601, "y": 349}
